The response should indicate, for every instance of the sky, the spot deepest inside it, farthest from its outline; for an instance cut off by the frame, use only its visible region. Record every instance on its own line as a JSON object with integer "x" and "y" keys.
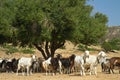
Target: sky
{"x": 111, "y": 8}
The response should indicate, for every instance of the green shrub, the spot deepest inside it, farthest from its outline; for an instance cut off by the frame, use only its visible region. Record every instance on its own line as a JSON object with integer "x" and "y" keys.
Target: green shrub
{"x": 91, "y": 49}
{"x": 9, "y": 49}
{"x": 115, "y": 43}
{"x": 107, "y": 46}
{"x": 12, "y": 50}
{"x": 27, "y": 51}
{"x": 81, "y": 47}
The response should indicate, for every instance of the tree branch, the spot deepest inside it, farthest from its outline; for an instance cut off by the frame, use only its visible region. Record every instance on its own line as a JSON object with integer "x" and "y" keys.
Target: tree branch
{"x": 55, "y": 46}
{"x": 41, "y": 50}
{"x": 47, "y": 49}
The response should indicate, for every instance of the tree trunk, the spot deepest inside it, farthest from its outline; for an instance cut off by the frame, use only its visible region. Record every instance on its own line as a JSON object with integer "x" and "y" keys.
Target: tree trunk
{"x": 47, "y": 49}
{"x": 55, "y": 46}
{"x": 41, "y": 50}
{"x": 49, "y": 52}
{"x": 52, "y": 52}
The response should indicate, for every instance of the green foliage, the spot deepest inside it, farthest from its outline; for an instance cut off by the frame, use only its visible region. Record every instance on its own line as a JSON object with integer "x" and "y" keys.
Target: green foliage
{"x": 7, "y": 16}
{"x": 84, "y": 47}
{"x": 35, "y": 22}
{"x": 91, "y": 49}
{"x": 115, "y": 43}
{"x": 107, "y": 46}
{"x": 9, "y": 49}
{"x": 27, "y": 51}
{"x": 81, "y": 47}
{"x": 92, "y": 29}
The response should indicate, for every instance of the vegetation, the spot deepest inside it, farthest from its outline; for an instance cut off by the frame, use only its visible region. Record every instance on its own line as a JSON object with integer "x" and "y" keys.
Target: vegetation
{"x": 47, "y": 24}
{"x": 82, "y": 47}
{"x": 9, "y": 49}
{"x": 106, "y": 46}
{"x": 113, "y": 44}
{"x": 27, "y": 51}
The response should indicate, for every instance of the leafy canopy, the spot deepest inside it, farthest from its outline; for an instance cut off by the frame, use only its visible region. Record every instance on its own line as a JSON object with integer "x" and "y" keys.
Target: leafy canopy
{"x": 49, "y": 23}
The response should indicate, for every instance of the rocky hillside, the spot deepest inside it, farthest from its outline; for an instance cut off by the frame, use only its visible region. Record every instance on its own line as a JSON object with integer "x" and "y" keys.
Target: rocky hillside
{"x": 113, "y": 32}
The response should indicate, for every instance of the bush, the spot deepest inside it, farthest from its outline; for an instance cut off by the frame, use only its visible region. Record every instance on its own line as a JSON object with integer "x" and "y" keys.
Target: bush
{"x": 10, "y": 49}
{"x": 84, "y": 47}
{"x": 107, "y": 46}
{"x": 27, "y": 51}
{"x": 115, "y": 43}
{"x": 81, "y": 47}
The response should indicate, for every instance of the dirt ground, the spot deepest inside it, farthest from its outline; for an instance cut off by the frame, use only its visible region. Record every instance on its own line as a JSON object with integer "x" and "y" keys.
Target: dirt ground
{"x": 73, "y": 76}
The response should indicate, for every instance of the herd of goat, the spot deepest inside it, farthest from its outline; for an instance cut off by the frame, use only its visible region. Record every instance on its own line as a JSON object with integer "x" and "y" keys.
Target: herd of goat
{"x": 74, "y": 63}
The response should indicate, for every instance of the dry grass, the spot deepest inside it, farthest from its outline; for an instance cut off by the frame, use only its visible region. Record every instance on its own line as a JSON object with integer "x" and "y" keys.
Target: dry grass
{"x": 74, "y": 76}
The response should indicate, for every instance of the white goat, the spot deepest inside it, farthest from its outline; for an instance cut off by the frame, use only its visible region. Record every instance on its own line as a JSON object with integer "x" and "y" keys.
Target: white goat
{"x": 46, "y": 65}
{"x": 103, "y": 59}
{"x": 79, "y": 62}
{"x": 102, "y": 54}
{"x": 25, "y": 63}
{"x": 91, "y": 61}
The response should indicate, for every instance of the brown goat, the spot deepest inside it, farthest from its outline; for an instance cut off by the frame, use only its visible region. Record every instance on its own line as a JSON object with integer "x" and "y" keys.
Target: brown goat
{"x": 114, "y": 62}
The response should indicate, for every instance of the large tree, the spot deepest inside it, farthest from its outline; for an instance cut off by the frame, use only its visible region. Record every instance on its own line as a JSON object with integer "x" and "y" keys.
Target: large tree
{"x": 6, "y": 18}
{"x": 47, "y": 24}
{"x": 92, "y": 29}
